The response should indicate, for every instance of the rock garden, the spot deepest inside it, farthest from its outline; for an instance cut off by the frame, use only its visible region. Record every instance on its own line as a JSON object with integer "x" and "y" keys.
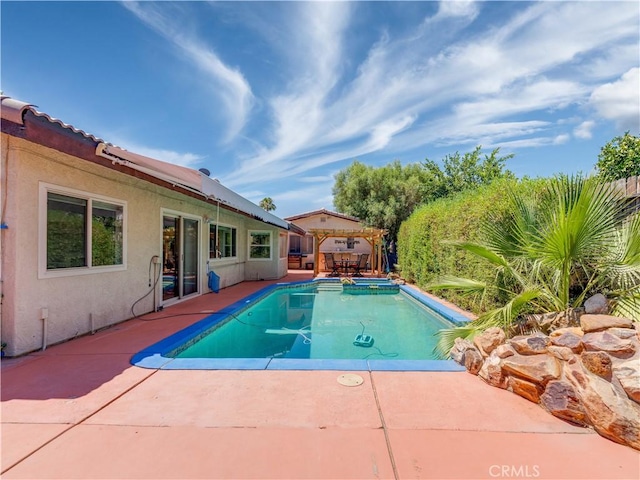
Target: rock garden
{"x": 588, "y": 374}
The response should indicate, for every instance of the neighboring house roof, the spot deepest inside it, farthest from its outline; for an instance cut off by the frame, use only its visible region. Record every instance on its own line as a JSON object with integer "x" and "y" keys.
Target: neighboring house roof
{"x": 322, "y": 212}
{"x": 192, "y": 180}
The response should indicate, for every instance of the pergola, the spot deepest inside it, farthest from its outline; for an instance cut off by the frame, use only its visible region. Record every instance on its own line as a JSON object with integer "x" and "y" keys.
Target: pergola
{"x": 372, "y": 235}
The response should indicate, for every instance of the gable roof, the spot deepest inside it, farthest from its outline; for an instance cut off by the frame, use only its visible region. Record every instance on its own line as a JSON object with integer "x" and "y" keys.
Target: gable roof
{"x": 171, "y": 176}
{"x": 322, "y": 211}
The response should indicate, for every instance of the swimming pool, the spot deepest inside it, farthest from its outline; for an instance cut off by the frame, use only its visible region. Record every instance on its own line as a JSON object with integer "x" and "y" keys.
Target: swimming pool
{"x": 321, "y": 324}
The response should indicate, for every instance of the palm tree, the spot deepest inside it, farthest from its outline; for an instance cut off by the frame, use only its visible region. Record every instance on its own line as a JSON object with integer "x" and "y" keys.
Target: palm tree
{"x": 267, "y": 204}
{"x": 550, "y": 254}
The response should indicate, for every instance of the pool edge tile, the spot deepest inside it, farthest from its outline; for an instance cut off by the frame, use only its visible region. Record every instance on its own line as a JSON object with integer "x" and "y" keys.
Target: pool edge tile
{"x": 317, "y": 364}
{"x": 414, "y": 366}
{"x": 217, "y": 364}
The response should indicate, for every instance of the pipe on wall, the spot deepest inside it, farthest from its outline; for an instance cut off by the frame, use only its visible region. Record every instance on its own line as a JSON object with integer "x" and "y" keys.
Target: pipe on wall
{"x": 44, "y": 316}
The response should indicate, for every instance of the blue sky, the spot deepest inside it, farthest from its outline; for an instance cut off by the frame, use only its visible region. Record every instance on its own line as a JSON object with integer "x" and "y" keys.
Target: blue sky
{"x": 274, "y": 98}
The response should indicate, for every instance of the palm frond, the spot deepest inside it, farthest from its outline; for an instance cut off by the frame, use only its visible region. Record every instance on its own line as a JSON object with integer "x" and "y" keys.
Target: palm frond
{"x": 447, "y": 337}
{"x": 510, "y": 233}
{"x": 624, "y": 261}
{"x": 628, "y": 305}
{"x": 463, "y": 285}
{"x": 483, "y": 252}
{"x": 503, "y": 316}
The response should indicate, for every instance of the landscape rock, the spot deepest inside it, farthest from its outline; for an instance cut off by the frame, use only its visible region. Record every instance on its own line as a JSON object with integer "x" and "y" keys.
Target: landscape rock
{"x": 628, "y": 374}
{"x": 594, "y": 323}
{"x": 529, "y": 390}
{"x": 561, "y": 353}
{"x": 623, "y": 332}
{"x": 460, "y": 345}
{"x": 491, "y": 371}
{"x": 504, "y": 351}
{"x": 569, "y": 340}
{"x": 609, "y": 343}
{"x": 560, "y": 399}
{"x": 598, "y": 363}
{"x": 596, "y": 304}
{"x": 612, "y": 414}
{"x": 488, "y": 340}
{"x": 530, "y": 344}
{"x": 552, "y": 321}
{"x": 588, "y": 379}
{"x": 561, "y": 331}
{"x": 473, "y": 360}
{"x": 538, "y": 369}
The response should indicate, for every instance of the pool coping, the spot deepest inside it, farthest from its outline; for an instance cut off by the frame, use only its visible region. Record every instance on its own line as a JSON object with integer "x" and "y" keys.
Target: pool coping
{"x": 153, "y": 357}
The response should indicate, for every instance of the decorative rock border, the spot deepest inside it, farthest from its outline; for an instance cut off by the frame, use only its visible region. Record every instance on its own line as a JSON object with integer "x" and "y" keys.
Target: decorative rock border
{"x": 588, "y": 376}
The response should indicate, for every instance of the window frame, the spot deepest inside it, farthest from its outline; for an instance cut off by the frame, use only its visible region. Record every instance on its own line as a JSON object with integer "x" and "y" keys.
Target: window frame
{"x": 43, "y": 193}
{"x": 233, "y": 228}
{"x": 250, "y": 244}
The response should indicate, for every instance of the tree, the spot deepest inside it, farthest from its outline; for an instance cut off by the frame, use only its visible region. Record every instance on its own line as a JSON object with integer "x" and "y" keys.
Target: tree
{"x": 267, "y": 204}
{"x": 550, "y": 254}
{"x": 380, "y": 197}
{"x": 619, "y": 158}
{"x": 384, "y": 197}
{"x": 463, "y": 172}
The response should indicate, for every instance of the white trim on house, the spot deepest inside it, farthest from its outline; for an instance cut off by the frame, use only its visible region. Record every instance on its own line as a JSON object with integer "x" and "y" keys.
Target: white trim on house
{"x": 249, "y": 245}
{"x": 167, "y": 212}
{"x": 43, "y": 272}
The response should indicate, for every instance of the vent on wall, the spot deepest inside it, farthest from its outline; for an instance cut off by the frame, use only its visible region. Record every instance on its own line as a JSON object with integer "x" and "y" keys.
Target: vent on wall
{"x": 323, "y": 219}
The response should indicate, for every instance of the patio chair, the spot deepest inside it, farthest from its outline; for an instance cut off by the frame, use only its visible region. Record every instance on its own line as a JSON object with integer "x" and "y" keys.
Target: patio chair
{"x": 332, "y": 265}
{"x": 360, "y": 265}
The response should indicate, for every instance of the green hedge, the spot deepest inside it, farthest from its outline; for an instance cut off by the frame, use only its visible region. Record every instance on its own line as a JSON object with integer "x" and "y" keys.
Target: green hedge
{"x": 423, "y": 253}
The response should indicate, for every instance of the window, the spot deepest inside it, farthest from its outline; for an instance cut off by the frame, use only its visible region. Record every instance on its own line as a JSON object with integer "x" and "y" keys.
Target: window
{"x": 260, "y": 245}
{"x": 303, "y": 245}
{"x": 82, "y": 231}
{"x": 223, "y": 241}
{"x": 294, "y": 244}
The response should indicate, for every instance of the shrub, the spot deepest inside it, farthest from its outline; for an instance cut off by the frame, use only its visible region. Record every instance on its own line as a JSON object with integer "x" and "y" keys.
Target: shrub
{"x": 424, "y": 253}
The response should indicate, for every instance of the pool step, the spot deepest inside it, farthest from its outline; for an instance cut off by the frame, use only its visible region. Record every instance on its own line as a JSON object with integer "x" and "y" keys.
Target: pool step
{"x": 330, "y": 287}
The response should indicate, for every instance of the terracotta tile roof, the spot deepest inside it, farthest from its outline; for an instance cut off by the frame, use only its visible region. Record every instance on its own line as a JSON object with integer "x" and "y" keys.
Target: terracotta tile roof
{"x": 15, "y": 110}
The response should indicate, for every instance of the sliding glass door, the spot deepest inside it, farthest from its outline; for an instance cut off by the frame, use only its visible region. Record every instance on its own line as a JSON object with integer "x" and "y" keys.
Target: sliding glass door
{"x": 180, "y": 253}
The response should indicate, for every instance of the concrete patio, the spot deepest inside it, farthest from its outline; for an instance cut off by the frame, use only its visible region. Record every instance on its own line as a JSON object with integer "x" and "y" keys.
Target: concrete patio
{"x": 80, "y": 410}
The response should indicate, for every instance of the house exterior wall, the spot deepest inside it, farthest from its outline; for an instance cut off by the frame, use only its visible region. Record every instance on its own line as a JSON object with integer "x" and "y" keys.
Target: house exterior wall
{"x": 89, "y": 300}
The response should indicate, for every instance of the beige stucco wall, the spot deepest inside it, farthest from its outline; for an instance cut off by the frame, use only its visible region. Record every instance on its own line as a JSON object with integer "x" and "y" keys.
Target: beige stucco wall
{"x": 78, "y": 303}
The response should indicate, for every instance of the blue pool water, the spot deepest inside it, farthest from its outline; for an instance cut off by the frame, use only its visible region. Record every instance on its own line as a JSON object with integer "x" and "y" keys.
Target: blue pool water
{"x": 318, "y": 324}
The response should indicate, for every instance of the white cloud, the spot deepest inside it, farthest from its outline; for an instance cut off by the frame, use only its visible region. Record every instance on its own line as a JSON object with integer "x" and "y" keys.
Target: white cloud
{"x": 228, "y": 84}
{"x": 457, "y": 8}
{"x": 500, "y": 86}
{"x": 620, "y": 101}
{"x": 611, "y": 62}
{"x": 584, "y": 129}
{"x": 299, "y": 112}
{"x": 532, "y": 142}
{"x": 560, "y": 139}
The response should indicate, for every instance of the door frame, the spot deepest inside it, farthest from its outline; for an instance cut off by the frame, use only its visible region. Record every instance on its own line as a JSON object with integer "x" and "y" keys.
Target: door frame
{"x": 181, "y": 216}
